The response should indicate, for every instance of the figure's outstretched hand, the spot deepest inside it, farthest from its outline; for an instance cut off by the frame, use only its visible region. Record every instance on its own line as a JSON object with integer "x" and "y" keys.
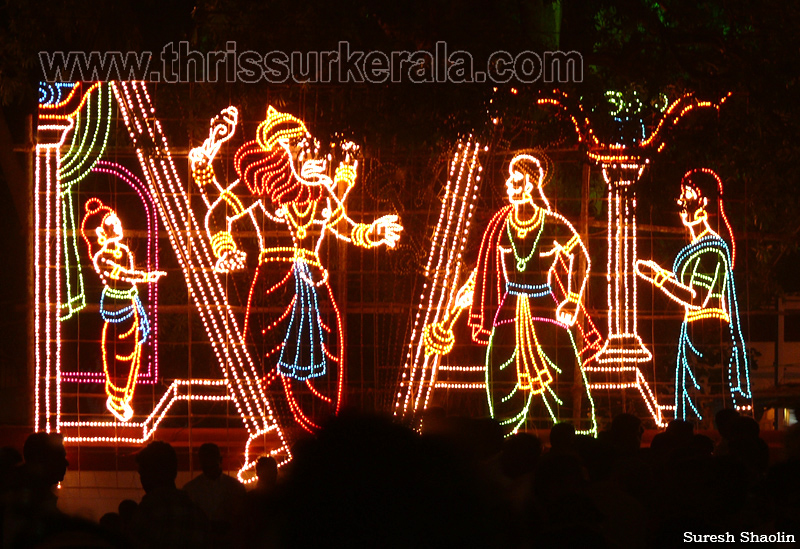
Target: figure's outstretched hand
{"x": 567, "y": 312}
{"x": 223, "y": 125}
{"x": 351, "y": 152}
{"x": 652, "y": 272}
{"x": 231, "y": 260}
{"x": 222, "y": 128}
{"x": 386, "y": 230}
{"x": 437, "y": 339}
{"x": 465, "y": 293}
{"x": 152, "y": 276}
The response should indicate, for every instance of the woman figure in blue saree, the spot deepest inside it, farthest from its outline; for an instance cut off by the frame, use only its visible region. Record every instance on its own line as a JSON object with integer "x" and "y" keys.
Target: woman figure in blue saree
{"x": 702, "y": 281}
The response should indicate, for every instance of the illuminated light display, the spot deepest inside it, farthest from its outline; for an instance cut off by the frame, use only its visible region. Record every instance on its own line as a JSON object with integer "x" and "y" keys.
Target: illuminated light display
{"x": 622, "y": 166}
{"x": 54, "y": 94}
{"x": 442, "y": 275}
{"x": 89, "y": 138}
{"x": 150, "y": 373}
{"x": 81, "y": 115}
{"x": 140, "y": 432}
{"x": 701, "y": 280}
{"x": 516, "y": 306}
{"x": 125, "y": 322}
{"x": 285, "y": 180}
{"x": 58, "y": 114}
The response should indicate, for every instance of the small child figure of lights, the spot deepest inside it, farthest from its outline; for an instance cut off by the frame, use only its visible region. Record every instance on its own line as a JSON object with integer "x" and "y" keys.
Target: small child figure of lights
{"x": 125, "y": 324}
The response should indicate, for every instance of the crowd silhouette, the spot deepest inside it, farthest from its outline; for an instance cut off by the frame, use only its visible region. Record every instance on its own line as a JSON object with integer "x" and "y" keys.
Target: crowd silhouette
{"x": 365, "y": 481}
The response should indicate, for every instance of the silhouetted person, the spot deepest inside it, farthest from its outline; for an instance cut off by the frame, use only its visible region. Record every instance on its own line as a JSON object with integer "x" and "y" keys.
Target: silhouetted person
{"x": 112, "y": 523}
{"x": 746, "y": 445}
{"x": 31, "y": 517}
{"x": 625, "y": 434}
{"x": 220, "y": 496}
{"x": 562, "y": 438}
{"x": 520, "y": 456}
{"x": 701, "y": 446}
{"x": 45, "y": 465}
{"x": 126, "y": 510}
{"x": 30, "y": 511}
{"x": 783, "y": 483}
{"x": 10, "y": 459}
{"x": 267, "y": 473}
{"x": 166, "y": 518}
{"x": 724, "y": 420}
{"x": 521, "y": 453}
{"x": 262, "y": 505}
{"x": 368, "y": 482}
{"x": 568, "y": 516}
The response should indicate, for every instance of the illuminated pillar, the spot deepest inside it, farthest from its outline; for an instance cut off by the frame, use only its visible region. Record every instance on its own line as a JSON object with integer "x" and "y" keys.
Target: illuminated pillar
{"x": 47, "y": 275}
{"x": 624, "y": 345}
{"x": 616, "y": 366}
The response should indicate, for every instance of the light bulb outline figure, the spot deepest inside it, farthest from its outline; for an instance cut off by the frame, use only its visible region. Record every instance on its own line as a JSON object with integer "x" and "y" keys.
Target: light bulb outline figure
{"x": 511, "y": 296}
{"x": 125, "y": 322}
{"x": 702, "y": 281}
{"x": 285, "y": 181}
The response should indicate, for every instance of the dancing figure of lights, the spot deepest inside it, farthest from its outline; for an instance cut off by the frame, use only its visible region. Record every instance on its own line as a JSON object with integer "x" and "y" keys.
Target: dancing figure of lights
{"x": 125, "y": 324}
{"x": 288, "y": 183}
{"x": 701, "y": 280}
{"x": 518, "y": 306}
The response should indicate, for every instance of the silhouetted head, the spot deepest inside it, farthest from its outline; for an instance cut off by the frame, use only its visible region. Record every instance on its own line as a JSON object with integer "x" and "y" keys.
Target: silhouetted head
{"x": 126, "y": 509}
{"x": 562, "y": 437}
{"x": 744, "y": 427}
{"x": 9, "y": 457}
{"x": 267, "y": 471}
{"x": 158, "y": 466}
{"x": 724, "y": 420}
{"x": 626, "y": 433}
{"x": 45, "y": 457}
{"x": 210, "y": 460}
{"x": 521, "y": 453}
{"x": 680, "y": 433}
{"x": 701, "y": 446}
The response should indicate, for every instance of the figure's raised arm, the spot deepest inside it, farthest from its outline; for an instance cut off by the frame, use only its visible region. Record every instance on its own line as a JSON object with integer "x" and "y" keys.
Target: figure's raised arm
{"x": 221, "y": 201}
{"x": 222, "y": 128}
{"x": 665, "y": 280}
{"x": 383, "y": 231}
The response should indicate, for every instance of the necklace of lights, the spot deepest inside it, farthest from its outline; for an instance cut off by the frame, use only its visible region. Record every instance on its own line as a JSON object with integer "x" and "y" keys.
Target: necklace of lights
{"x": 533, "y": 222}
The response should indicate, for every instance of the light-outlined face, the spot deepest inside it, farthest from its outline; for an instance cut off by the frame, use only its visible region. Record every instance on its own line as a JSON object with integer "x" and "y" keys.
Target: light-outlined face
{"x": 110, "y": 230}
{"x": 518, "y": 188}
{"x": 525, "y": 174}
{"x": 307, "y": 163}
{"x": 693, "y": 205}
